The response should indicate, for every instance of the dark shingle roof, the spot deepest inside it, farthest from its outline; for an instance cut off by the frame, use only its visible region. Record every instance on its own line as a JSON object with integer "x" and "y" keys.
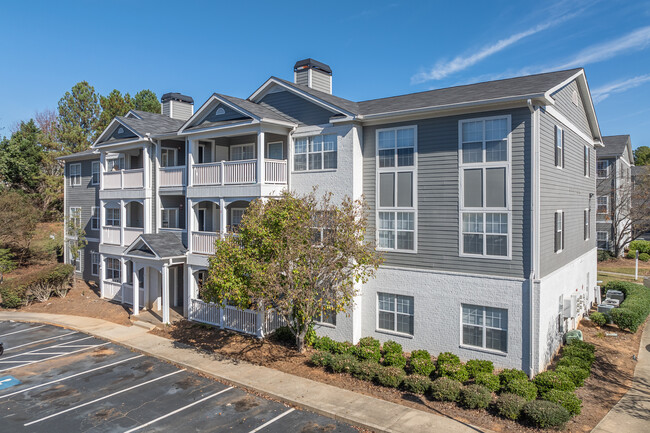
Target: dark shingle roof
{"x": 163, "y": 244}
{"x": 614, "y": 145}
{"x": 255, "y": 109}
{"x": 152, "y": 123}
{"x": 342, "y": 103}
{"x": 85, "y": 154}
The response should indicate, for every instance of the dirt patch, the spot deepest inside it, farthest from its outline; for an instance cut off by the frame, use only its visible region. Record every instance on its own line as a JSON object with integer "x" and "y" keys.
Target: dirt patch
{"x": 245, "y": 404}
{"x": 103, "y": 352}
{"x": 83, "y": 300}
{"x": 611, "y": 375}
{"x": 315, "y": 428}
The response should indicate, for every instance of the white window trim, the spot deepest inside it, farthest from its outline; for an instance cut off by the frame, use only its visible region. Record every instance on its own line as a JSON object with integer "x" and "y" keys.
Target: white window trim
{"x": 606, "y": 238}
{"x": 169, "y": 149}
{"x": 322, "y": 153}
{"x": 461, "y": 196}
{"x": 75, "y": 210}
{"x": 484, "y": 327}
{"x": 76, "y": 180}
{"x": 94, "y": 255}
{"x": 243, "y": 209}
{"x": 606, "y": 197}
{"x": 587, "y": 223}
{"x": 587, "y": 159}
{"x": 396, "y": 169}
{"x": 92, "y": 172}
{"x": 200, "y": 149}
{"x": 162, "y": 210}
{"x": 281, "y": 143}
{"x": 560, "y": 130}
{"x": 235, "y": 146}
{"x": 94, "y": 216}
{"x": 562, "y": 230}
{"x": 607, "y": 169}
{"x": 388, "y": 331}
{"x": 112, "y": 270}
{"x": 106, "y": 218}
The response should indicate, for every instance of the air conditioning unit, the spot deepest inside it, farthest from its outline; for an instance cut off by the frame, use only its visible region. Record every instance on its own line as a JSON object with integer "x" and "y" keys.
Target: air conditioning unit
{"x": 570, "y": 307}
{"x": 614, "y": 302}
{"x": 615, "y": 294}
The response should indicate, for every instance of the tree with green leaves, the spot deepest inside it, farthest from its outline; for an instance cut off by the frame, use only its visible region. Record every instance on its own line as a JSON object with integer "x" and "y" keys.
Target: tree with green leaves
{"x": 113, "y": 105}
{"x": 78, "y": 115}
{"x": 18, "y": 220}
{"x": 7, "y": 262}
{"x": 642, "y": 155}
{"x": 300, "y": 255}
{"x": 146, "y": 100}
{"x": 21, "y": 158}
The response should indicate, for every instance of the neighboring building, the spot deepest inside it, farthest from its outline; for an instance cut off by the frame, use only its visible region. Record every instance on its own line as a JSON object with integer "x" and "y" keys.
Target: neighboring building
{"x": 481, "y": 199}
{"x": 614, "y": 189}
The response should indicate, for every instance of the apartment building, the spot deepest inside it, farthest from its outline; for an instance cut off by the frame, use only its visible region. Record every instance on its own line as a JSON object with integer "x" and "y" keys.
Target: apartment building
{"x": 481, "y": 201}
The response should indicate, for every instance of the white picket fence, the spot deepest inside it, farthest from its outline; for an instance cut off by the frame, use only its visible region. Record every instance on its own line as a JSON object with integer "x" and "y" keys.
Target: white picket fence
{"x": 258, "y": 323}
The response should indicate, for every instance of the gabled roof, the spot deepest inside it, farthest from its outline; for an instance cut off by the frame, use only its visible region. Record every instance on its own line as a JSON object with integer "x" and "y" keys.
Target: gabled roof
{"x": 256, "y": 110}
{"x": 151, "y": 123}
{"x": 158, "y": 246}
{"x": 615, "y": 146}
{"x": 84, "y": 154}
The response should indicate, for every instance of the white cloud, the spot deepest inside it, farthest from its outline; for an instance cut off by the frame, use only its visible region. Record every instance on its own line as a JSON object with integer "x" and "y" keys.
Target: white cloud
{"x": 601, "y": 93}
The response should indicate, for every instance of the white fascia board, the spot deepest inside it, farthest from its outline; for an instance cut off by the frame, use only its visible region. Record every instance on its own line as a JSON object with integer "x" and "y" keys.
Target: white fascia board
{"x": 139, "y": 238}
{"x": 134, "y": 114}
{"x": 218, "y": 128}
{"x": 111, "y": 127}
{"x": 566, "y": 122}
{"x": 278, "y": 122}
{"x": 130, "y": 144}
{"x": 197, "y": 114}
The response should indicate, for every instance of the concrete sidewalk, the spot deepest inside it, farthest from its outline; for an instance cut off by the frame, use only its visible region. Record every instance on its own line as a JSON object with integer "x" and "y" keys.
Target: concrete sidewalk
{"x": 632, "y": 413}
{"x": 347, "y": 406}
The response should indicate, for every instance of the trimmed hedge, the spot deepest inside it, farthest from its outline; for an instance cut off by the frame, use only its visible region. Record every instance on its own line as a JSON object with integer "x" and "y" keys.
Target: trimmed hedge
{"x": 509, "y": 405}
{"x": 644, "y": 257}
{"x": 583, "y": 345}
{"x": 476, "y": 366}
{"x": 391, "y": 377}
{"x": 366, "y": 370}
{"x": 576, "y": 373}
{"x": 566, "y": 399}
{"x": 475, "y": 397}
{"x": 521, "y": 387}
{"x": 449, "y": 365}
{"x": 641, "y": 245}
{"x": 417, "y": 384}
{"x": 598, "y": 318}
{"x": 578, "y": 352}
{"x": 634, "y": 309}
{"x": 545, "y": 414}
{"x": 549, "y": 380}
{"x": 393, "y": 359}
{"x": 445, "y": 389}
{"x": 368, "y": 349}
{"x": 321, "y": 358}
{"x": 572, "y": 361}
{"x": 420, "y": 363}
{"x": 392, "y": 347}
{"x": 343, "y": 363}
{"x": 511, "y": 374}
{"x": 488, "y": 380}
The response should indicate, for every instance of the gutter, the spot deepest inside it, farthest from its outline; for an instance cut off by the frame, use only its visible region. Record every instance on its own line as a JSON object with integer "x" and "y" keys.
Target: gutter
{"x": 534, "y": 228}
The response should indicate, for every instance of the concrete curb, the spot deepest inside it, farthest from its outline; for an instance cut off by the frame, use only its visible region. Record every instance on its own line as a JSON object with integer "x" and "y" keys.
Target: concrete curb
{"x": 342, "y": 405}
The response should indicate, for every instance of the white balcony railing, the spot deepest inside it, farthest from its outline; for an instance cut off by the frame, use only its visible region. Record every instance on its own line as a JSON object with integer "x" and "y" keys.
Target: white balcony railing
{"x": 131, "y": 234}
{"x": 111, "y": 235}
{"x": 276, "y": 171}
{"x": 124, "y": 179}
{"x": 225, "y": 173}
{"x": 203, "y": 242}
{"x": 113, "y": 290}
{"x": 172, "y": 176}
{"x": 207, "y": 174}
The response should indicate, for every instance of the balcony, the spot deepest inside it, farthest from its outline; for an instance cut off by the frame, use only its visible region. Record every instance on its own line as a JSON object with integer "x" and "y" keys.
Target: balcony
{"x": 124, "y": 179}
{"x": 172, "y": 177}
{"x": 238, "y": 172}
{"x": 203, "y": 242}
{"x": 112, "y": 235}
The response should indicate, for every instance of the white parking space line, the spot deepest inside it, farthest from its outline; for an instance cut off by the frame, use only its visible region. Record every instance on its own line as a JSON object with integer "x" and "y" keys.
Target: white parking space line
{"x": 37, "y": 351}
{"x": 102, "y": 398}
{"x": 39, "y": 341}
{"x": 51, "y": 357}
{"x": 178, "y": 410}
{"x": 22, "y": 330}
{"x": 270, "y": 421}
{"x": 69, "y": 377}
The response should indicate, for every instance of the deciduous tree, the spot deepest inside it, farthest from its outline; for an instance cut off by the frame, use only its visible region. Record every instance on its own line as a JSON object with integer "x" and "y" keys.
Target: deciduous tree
{"x": 299, "y": 255}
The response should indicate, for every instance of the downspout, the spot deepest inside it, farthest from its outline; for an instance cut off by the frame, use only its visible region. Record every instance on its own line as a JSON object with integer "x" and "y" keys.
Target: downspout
{"x": 534, "y": 163}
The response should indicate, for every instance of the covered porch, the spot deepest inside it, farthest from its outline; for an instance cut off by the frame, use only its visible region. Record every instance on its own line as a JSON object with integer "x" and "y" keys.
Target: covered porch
{"x": 213, "y": 218}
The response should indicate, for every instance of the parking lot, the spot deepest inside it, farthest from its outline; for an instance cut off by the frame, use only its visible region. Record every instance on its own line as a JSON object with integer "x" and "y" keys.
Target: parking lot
{"x": 57, "y": 380}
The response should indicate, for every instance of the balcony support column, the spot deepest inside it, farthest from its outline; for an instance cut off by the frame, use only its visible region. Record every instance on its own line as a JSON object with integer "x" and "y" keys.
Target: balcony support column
{"x": 122, "y": 221}
{"x": 123, "y": 278}
{"x": 165, "y": 293}
{"x": 136, "y": 291}
{"x": 190, "y": 224}
{"x": 289, "y": 159}
{"x": 102, "y": 169}
{"x": 102, "y": 275}
{"x": 189, "y": 160}
{"x": 223, "y": 218}
{"x": 261, "y": 172}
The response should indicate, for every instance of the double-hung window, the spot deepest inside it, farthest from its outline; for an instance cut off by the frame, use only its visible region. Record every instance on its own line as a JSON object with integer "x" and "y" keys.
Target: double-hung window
{"x": 75, "y": 217}
{"x": 95, "y": 173}
{"x": 236, "y": 216}
{"x": 112, "y": 269}
{"x": 94, "y": 218}
{"x": 587, "y": 225}
{"x": 396, "y": 188}
{"x": 603, "y": 204}
{"x": 74, "y": 173}
{"x": 559, "y": 231}
{"x": 94, "y": 263}
{"x": 485, "y": 212}
{"x": 326, "y": 317}
{"x": 559, "y": 147}
{"x": 602, "y": 169}
{"x": 587, "y": 161}
{"x": 241, "y": 152}
{"x": 602, "y": 240}
{"x": 485, "y": 327}
{"x": 112, "y": 216}
{"x": 169, "y": 218}
{"x": 395, "y": 313}
{"x": 167, "y": 157}
{"x": 315, "y": 153}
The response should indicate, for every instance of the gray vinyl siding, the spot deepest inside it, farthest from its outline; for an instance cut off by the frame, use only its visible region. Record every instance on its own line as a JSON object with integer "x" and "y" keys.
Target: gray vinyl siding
{"x": 121, "y": 133}
{"x": 181, "y": 110}
{"x": 575, "y": 114}
{"x": 565, "y": 189}
{"x": 86, "y": 263}
{"x": 166, "y": 108}
{"x": 229, "y": 114}
{"x": 297, "y": 108}
{"x": 438, "y": 197}
{"x": 302, "y": 77}
{"x": 84, "y": 196}
{"x": 321, "y": 81}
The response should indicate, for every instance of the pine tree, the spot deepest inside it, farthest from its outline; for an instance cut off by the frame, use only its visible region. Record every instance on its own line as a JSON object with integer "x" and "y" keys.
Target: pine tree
{"x": 146, "y": 100}
{"x": 78, "y": 115}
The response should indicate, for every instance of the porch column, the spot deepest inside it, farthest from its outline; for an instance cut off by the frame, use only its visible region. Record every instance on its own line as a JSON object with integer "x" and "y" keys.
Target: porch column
{"x": 146, "y": 164}
{"x": 260, "y": 158}
{"x": 102, "y": 275}
{"x": 102, "y": 169}
{"x": 123, "y": 277}
{"x": 189, "y": 160}
{"x": 190, "y": 224}
{"x": 102, "y": 221}
{"x": 136, "y": 291}
{"x": 165, "y": 293}
{"x": 289, "y": 159}
{"x": 122, "y": 221}
{"x": 223, "y": 218}
{"x": 146, "y": 287}
{"x": 189, "y": 290}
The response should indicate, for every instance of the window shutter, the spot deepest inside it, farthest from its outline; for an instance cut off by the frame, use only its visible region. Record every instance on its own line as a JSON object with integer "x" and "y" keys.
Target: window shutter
{"x": 563, "y": 146}
{"x": 557, "y": 149}
{"x": 557, "y": 234}
{"x": 562, "y": 234}
{"x": 584, "y": 235}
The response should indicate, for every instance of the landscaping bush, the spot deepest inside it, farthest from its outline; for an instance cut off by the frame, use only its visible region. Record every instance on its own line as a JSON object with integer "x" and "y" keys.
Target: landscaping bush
{"x": 366, "y": 370}
{"x": 391, "y": 377}
{"x": 417, "y": 384}
{"x": 634, "y": 309}
{"x": 604, "y": 255}
{"x": 393, "y": 359}
{"x": 343, "y": 363}
{"x": 545, "y": 414}
{"x": 644, "y": 257}
{"x": 549, "y": 380}
{"x": 488, "y": 380}
{"x": 475, "y": 397}
{"x": 392, "y": 347}
{"x": 631, "y": 254}
{"x": 420, "y": 363}
{"x": 578, "y": 352}
{"x": 324, "y": 343}
{"x": 511, "y": 374}
{"x": 582, "y": 344}
{"x": 310, "y": 337}
{"x": 572, "y": 361}
{"x": 509, "y": 405}
{"x": 449, "y": 365}
{"x": 368, "y": 349}
{"x": 12, "y": 297}
{"x": 598, "y": 318}
{"x": 321, "y": 358}
{"x": 576, "y": 373}
{"x": 521, "y": 387}
{"x": 566, "y": 399}
{"x": 641, "y": 245}
{"x": 476, "y": 366}
{"x": 445, "y": 389}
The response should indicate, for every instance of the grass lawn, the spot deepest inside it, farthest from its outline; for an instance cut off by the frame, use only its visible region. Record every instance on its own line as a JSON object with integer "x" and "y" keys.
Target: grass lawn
{"x": 604, "y": 278}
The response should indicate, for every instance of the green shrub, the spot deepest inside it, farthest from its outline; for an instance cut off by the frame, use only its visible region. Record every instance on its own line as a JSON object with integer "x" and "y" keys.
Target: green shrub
{"x": 449, "y": 365}
{"x": 417, "y": 384}
{"x": 283, "y": 335}
{"x": 369, "y": 342}
{"x": 475, "y": 397}
{"x": 391, "y": 377}
{"x": 631, "y": 254}
{"x": 644, "y": 257}
{"x": 421, "y": 366}
{"x": 324, "y": 343}
{"x": 344, "y": 363}
{"x": 488, "y": 380}
{"x": 578, "y": 352}
{"x": 566, "y": 399}
{"x": 395, "y": 360}
{"x": 549, "y": 380}
{"x": 572, "y": 361}
{"x": 625, "y": 318}
{"x": 583, "y": 345}
{"x": 509, "y": 405}
{"x": 511, "y": 374}
{"x": 545, "y": 414}
{"x": 576, "y": 373}
{"x": 366, "y": 370}
{"x": 641, "y": 245}
{"x": 368, "y": 349}
{"x": 634, "y": 309}
{"x": 321, "y": 358}
{"x": 392, "y": 347}
{"x": 521, "y": 387}
{"x": 476, "y": 366}
{"x": 12, "y": 297}
{"x": 598, "y": 318}
{"x": 604, "y": 255}
{"x": 420, "y": 354}
{"x": 310, "y": 337}
{"x": 445, "y": 389}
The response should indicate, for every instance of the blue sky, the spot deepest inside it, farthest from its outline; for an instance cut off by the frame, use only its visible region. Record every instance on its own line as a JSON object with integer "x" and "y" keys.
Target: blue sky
{"x": 375, "y": 48}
